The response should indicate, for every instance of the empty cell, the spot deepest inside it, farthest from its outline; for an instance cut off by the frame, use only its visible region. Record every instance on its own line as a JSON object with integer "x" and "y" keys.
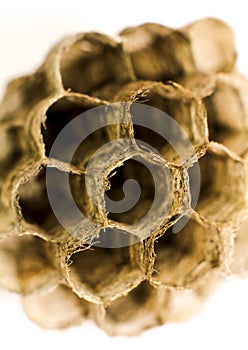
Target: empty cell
{"x": 227, "y": 109}
{"x": 184, "y": 257}
{"x": 212, "y": 44}
{"x": 157, "y": 52}
{"x": 36, "y": 207}
{"x": 26, "y": 264}
{"x": 130, "y": 314}
{"x": 225, "y": 98}
{"x": 223, "y": 184}
{"x": 55, "y": 309}
{"x": 12, "y": 148}
{"x": 102, "y": 274}
{"x": 93, "y": 61}
{"x": 167, "y": 118}
{"x": 78, "y": 141}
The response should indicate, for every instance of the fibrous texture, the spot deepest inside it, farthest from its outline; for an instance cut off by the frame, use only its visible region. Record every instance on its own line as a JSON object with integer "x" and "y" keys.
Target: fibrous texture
{"x": 161, "y": 263}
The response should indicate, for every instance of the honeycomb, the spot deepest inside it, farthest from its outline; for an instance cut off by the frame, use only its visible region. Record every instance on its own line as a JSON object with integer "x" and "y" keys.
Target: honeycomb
{"x": 157, "y": 261}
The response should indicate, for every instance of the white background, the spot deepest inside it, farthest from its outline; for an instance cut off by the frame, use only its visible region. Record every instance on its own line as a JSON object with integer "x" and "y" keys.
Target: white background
{"x": 27, "y": 31}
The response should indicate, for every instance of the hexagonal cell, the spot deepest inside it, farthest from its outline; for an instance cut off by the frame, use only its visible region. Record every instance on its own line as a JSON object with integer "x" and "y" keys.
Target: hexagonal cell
{"x": 45, "y": 214}
{"x": 212, "y": 44}
{"x": 131, "y": 314}
{"x": 59, "y": 115}
{"x": 166, "y": 117}
{"x": 223, "y": 184}
{"x": 22, "y": 94}
{"x": 160, "y": 53}
{"x": 92, "y": 61}
{"x": 227, "y": 109}
{"x": 141, "y": 194}
{"x": 184, "y": 257}
{"x": 103, "y": 274}
{"x": 26, "y": 264}
{"x": 184, "y": 303}
{"x": 11, "y": 148}
{"x": 56, "y": 308}
{"x": 157, "y": 52}
{"x": 34, "y": 203}
{"x": 225, "y": 98}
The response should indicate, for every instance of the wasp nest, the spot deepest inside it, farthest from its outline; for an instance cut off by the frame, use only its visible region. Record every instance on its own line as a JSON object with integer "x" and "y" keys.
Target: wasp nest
{"x": 180, "y": 252}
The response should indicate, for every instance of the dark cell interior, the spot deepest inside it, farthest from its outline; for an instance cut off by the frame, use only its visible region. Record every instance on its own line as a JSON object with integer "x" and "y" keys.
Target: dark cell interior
{"x": 35, "y": 205}
{"x": 97, "y": 268}
{"x": 179, "y": 254}
{"x": 155, "y": 126}
{"x": 12, "y": 148}
{"x": 91, "y": 63}
{"x": 157, "y": 55}
{"x": 130, "y": 306}
{"x": 59, "y": 115}
{"x": 132, "y": 169}
{"x": 226, "y": 117}
{"x": 222, "y": 185}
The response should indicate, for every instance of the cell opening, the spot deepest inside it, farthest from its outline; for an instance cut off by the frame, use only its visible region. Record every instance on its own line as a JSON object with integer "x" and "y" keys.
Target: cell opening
{"x": 132, "y": 306}
{"x": 175, "y": 127}
{"x": 156, "y": 52}
{"x": 29, "y": 265}
{"x": 222, "y": 106}
{"x": 102, "y": 272}
{"x": 183, "y": 257}
{"x": 91, "y": 63}
{"x": 223, "y": 184}
{"x": 12, "y": 148}
{"x": 35, "y": 205}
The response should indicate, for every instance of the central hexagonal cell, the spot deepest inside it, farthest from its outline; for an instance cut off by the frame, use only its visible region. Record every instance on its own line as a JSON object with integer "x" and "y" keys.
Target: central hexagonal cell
{"x": 140, "y": 193}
